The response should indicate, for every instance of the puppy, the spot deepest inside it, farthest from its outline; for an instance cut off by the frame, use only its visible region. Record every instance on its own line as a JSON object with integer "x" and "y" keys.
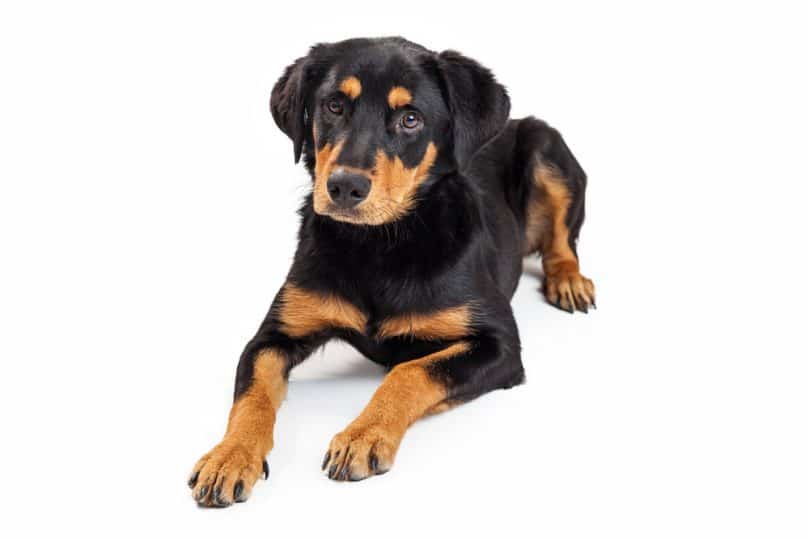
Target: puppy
{"x": 425, "y": 198}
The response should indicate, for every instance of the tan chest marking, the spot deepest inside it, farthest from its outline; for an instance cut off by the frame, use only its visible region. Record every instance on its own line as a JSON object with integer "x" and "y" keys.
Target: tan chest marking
{"x": 303, "y": 313}
{"x": 446, "y": 324}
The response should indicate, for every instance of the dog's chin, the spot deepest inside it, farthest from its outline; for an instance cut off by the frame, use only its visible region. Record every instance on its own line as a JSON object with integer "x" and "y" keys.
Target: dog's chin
{"x": 342, "y": 215}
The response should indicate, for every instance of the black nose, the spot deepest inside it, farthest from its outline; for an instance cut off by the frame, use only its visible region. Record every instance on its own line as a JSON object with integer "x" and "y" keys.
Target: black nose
{"x": 348, "y": 190}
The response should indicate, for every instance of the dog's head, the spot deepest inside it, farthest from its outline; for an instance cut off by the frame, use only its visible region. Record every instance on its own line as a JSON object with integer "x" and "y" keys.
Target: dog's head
{"x": 381, "y": 120}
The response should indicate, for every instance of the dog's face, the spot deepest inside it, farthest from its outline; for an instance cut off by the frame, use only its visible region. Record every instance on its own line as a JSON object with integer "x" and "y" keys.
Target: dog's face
{"x": 380, "y": 121}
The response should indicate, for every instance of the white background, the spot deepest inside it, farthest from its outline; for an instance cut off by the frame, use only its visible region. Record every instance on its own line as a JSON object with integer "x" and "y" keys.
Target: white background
{"x": 147, "y": 218}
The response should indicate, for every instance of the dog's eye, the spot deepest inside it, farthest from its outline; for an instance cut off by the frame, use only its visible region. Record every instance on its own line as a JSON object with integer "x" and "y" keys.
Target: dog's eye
{"x": 335, "y": 106}
{"x": 411, "y": 120}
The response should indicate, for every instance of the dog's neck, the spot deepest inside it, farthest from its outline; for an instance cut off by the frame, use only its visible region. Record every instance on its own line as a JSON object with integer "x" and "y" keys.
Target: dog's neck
{"x": 436, "y": 229}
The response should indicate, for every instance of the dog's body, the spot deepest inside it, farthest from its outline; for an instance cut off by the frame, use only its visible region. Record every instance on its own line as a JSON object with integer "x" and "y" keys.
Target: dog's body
{"x": 425, "y": 199}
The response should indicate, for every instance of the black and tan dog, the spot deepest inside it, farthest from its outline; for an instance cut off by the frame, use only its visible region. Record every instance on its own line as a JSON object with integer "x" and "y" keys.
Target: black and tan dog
{"x": 425, "y": 198}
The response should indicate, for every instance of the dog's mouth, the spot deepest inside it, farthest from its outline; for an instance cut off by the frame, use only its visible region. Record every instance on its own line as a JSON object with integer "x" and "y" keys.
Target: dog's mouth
{"x": 352, "y": 215}
{"x": 362, "y": 214}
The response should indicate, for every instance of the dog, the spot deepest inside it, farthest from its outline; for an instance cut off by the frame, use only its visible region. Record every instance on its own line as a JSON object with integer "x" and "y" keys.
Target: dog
{"x": 425, "y": 199}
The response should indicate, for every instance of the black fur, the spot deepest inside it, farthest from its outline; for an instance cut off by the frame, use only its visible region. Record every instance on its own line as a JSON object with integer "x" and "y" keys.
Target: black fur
{"x": 460, "y": 244}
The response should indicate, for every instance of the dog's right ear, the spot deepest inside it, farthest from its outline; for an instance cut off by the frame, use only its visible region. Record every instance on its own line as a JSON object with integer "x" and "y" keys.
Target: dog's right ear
{"x": 288, "y": 103}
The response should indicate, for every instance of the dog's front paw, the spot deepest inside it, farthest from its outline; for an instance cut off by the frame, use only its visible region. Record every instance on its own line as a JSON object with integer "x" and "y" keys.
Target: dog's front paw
{"x": 569, "y": 290}
{"x": 226, "y": 475}
{"x": 359, "y": 452}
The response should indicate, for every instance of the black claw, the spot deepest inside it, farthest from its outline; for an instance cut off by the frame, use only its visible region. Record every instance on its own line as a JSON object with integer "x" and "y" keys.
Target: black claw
{"x": 593, "y": 303}
{"x": 373, "y": 462}
{"x": 266, "y": 469}
{"x": 584, "y": 307}
{"x": 326, "y": 460}
{"x": 336, "y": 470}
{"x": 217, "y": 497}
{"x": 193, "y": 480}
{"x": 202, "y": 493}
{"x": 237, "y": 490}
{"x": 347, "y": 466}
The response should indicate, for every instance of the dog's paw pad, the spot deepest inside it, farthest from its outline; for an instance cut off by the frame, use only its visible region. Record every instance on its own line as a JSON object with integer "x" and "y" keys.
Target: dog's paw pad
{"x": 360, "y": 452}
{"x": 225, "y": 475}
{"x": 570, "y": 291}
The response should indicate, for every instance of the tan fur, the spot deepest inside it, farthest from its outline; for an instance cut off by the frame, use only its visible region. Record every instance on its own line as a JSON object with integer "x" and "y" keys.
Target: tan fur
{"x": 399, "y": 97}
{"x": 446, "y": 324}
{"x": 303, "y": 312}
{"x": 351, "y": 87}
{"x": 256, "y": 408}
{"x": 406, "y": 394}
{"x": 545, "y": 227}
{"x": 393, "y": 186}
{"x": 546, "y": 232}
{"x": 249, "y": 435}
{"x": 325, "y": 158}
{"x": 444, "y": 406}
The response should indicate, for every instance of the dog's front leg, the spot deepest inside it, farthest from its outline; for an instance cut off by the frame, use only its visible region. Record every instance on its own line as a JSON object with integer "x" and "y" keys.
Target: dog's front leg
{"x": 227, "y": 473}
{"x": 431, "y": 384}
{"x": 298, "y": 322}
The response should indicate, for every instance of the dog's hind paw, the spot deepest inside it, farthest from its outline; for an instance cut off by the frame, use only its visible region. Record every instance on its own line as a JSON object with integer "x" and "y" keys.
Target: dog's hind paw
{"x": 570, "y": 291}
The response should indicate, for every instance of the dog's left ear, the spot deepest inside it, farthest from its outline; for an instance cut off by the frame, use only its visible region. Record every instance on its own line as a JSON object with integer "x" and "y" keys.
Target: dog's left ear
{"x": 288, "y": 104}
{"x": 479, "y": 105}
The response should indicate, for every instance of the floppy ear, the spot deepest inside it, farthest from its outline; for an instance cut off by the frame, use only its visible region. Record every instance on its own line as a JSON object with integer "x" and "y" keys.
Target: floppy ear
{"x": 478, "y": 104}
{"x": 288, "y": 104}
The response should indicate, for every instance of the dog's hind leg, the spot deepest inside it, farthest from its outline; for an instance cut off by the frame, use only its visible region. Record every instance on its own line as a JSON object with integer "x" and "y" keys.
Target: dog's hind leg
{"x": 554, "y": 212}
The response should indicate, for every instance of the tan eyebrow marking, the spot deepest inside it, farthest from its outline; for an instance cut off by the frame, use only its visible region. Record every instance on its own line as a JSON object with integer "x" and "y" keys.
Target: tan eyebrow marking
{"x": 399, "y": 96}
{"x": 351, "y": 86}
